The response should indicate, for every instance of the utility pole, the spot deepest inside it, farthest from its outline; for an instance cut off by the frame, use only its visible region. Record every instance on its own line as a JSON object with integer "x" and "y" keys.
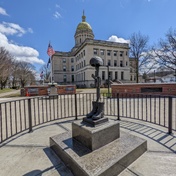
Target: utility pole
{"x": 108, "y": 81}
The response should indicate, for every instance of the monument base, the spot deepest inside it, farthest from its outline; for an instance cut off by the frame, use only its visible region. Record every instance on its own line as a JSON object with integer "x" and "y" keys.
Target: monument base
{"x": 95, "y": 123}
{"x": 108, "y": 160}
{"x": 95, "y": 137}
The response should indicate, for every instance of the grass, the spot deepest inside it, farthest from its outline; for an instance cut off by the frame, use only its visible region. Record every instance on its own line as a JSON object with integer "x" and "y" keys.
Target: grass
{"x": 6, "y": 90}
{"x": 104, "y": 92}
{"x": 12, "y": 95}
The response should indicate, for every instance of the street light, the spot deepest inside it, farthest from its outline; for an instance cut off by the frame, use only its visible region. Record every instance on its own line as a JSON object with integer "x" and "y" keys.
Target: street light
{"x": 108, "y": 81}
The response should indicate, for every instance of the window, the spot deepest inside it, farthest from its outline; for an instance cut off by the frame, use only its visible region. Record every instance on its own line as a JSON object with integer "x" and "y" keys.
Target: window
{"x": 126, "y": 63}
{"x": 109, "y": 62}
{"x": 72, "y": 60}
{"x": 72, "y": 68}
{"x": 72, "y": 78}
{"x": 84, "y": 63}
{"x": 103, "y": 75}
{"x": 122, "y": 75}
{"x": 126, "y": 53}
{"x": 115, "y": 53}
{"x": 95, "y": 52}
{"x": 84, "y": 52}
{"x": 64, "y": 68}
{"x": 116, "y": 75}
{"x": 115, "y": 63}
{"x": 64, "y": 60}
{"x": 110, "y": 75}
{"x": 65, "y": 78}
{"x": 108, "y": 52}
{"x": 102, "y": 52}
{"x": 121, "y": 63}
{"x": 121, "y": 53}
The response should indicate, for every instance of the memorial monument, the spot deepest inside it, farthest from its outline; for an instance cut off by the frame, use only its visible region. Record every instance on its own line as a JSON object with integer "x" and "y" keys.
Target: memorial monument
{"x": 96, "y": 146}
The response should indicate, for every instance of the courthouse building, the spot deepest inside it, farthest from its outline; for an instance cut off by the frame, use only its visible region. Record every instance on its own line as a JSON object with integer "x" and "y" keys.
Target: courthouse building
{"x": 73, "y": 67}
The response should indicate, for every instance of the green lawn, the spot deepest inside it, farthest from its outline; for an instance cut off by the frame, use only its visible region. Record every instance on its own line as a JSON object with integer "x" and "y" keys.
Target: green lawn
{"x": 6, "y": 90}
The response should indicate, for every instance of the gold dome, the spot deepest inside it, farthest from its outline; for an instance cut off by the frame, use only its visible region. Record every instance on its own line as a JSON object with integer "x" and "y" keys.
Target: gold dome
{"x": 83, "y": 26}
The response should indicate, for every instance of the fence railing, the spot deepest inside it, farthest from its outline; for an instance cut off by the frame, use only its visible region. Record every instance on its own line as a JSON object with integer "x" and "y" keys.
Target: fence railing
{"x": 26, "y": 113}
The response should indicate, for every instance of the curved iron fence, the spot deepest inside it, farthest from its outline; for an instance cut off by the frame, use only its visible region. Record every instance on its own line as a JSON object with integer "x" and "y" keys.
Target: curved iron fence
{"x": 23, "y": 114}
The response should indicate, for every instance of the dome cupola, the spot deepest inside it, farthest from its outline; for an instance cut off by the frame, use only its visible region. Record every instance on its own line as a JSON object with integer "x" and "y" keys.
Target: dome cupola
{"x": 83, "y": 31}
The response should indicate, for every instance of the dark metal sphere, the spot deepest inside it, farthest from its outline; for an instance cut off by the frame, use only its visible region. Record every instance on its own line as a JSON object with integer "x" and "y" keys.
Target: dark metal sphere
{"x": 96, "y": 61}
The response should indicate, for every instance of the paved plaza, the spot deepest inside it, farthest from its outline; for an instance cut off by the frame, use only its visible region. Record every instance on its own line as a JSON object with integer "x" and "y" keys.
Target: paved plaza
{"x": 29, "y": 154}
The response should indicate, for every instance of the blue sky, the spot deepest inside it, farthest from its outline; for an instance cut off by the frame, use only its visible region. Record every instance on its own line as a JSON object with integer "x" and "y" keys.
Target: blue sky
{"x": 26, "y": 27}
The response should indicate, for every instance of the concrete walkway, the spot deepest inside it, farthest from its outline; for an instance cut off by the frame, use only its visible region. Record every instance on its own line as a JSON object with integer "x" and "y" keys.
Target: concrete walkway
{"x": 29, "y": 154}
{"x": 3, "y": 95}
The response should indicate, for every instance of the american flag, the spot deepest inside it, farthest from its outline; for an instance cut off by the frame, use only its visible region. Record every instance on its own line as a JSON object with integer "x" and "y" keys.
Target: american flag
{"x": 50, "y": 50}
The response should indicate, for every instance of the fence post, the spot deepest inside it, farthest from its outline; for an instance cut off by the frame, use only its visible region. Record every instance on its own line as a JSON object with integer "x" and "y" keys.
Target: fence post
{"x": 170, "y": 116}
{"x": 118, "y": 107}
{"x": 76, "y": 116}
{"x": 30, "y": 115}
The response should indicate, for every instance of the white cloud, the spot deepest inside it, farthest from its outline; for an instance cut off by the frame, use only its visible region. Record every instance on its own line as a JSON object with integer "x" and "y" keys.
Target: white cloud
{"x": 57, "y": 15}
{"x": 3, "y": 12}
{"x": 21, "y": 53}
{"x": 11, "y": 29}
{"x": 114, "y": 38}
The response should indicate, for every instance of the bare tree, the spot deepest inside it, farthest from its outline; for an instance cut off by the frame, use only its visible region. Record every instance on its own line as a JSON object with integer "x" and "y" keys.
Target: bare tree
{"x": 165, "y": 53}
{"x": 138, "y": 50}
{"x": 25, "y": 73}
{"x": 5, "y": 66}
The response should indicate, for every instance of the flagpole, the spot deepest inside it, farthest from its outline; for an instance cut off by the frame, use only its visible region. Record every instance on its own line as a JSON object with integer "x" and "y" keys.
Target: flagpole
{"x": 51, "y": 69}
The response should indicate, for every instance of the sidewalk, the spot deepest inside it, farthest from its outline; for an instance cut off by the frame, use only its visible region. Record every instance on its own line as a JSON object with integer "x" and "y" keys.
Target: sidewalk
{"x": 29, "y": 154}
{"x": 3, "y": 95}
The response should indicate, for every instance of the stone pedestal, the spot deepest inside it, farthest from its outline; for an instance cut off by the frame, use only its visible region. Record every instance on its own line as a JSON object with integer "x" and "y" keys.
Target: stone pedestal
{"x": 97, "y": 151}
{"x": 95, "y": 137}
{"x": 109, "y": 160}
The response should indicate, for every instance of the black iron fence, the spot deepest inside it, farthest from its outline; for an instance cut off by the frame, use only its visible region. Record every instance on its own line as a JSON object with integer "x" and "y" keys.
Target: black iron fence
{"x": 26, "y": 113}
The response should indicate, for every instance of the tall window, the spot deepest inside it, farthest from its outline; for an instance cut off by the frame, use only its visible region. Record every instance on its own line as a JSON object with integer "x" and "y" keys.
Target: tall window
{"x": 108, "y": 52}
{"x": 72, "y": 68}
{"x": 115, "y": 63}
{"x": 121, "y": 53}
{"x": 103, "y": 75}
{"x": 72, "y": 60}
{"x": 95, "y": 51}
{"x": 84, "y": 63}
{"x": 122, "y": 75}
{"x": 72, "y": 78}
{"x": 64, "y": 68}
{"x": 110, "y": 75}
{"x": 121, "y": 63}
{"x": 102, "y": 52}
{"x": 65, "y": 78}
{"x": 116, "y": 75}
{"x": 64, "y": 60}
{"x": 109, "y": 62}
{"x": 115, "y": 53}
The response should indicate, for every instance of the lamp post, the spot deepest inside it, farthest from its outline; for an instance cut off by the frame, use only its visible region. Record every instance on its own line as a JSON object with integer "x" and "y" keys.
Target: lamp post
{"x": 154, "y": 76}
{"x": 108, "y": 80}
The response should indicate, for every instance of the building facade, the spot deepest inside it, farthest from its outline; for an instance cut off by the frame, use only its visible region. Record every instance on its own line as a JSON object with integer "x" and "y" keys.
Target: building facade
{"x": 73, "y": 67}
